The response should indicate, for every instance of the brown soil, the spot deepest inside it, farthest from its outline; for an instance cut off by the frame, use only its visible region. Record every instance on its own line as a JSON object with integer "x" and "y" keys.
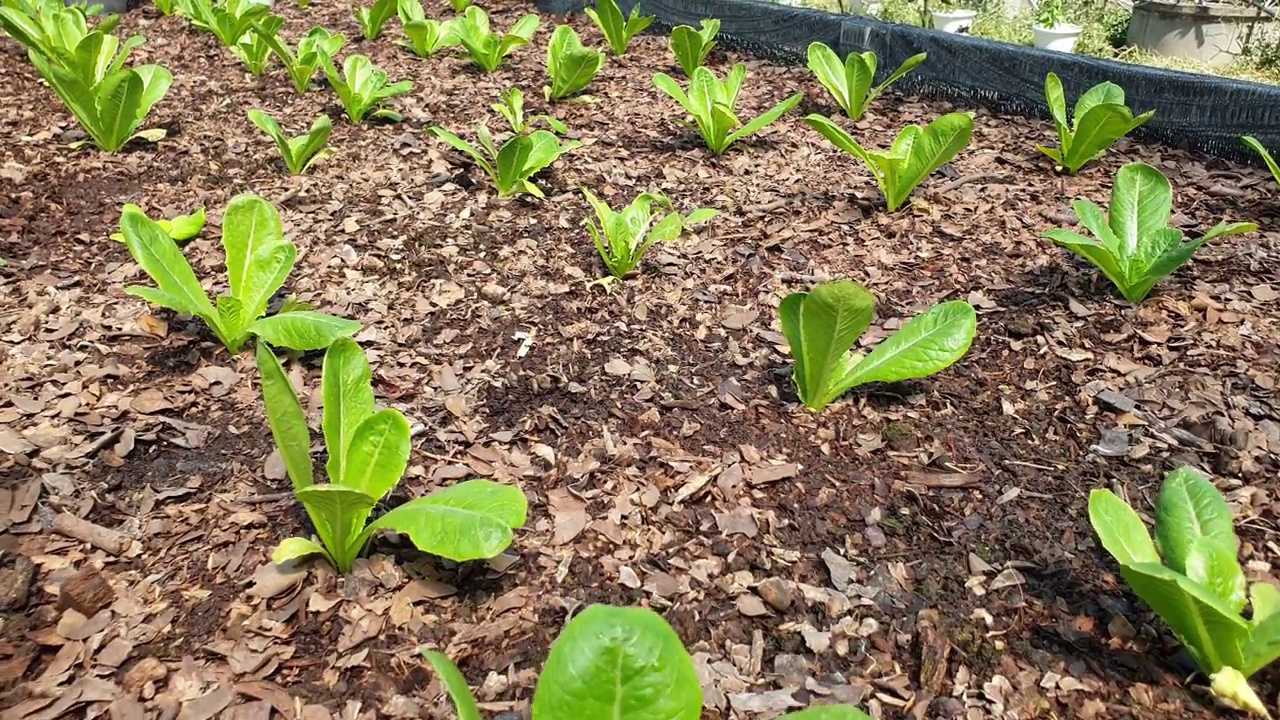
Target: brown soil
{"x": 932, "y": 534}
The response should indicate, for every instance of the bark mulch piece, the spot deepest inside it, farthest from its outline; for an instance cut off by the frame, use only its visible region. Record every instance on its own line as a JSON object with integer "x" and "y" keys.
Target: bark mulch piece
{"x": 920, "y": 549}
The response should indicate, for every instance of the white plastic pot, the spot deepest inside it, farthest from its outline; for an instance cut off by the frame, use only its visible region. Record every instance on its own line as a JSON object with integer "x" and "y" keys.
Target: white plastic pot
{"x": 866, "y": 7}
{"x": 953, "y": 21}
{"x": 1061, "y": 37}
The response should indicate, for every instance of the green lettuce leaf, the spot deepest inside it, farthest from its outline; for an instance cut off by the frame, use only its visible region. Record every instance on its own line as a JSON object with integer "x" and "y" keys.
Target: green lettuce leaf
{"x": 613, "y": 662}
{"x": 285, "y": 417}
{"x": 303, "y": 329}
{"x": 927, "y": 344}
{"x": 455, "y": 684}
{"x": 468, "y": 521}
{"x": 176, "y": 284}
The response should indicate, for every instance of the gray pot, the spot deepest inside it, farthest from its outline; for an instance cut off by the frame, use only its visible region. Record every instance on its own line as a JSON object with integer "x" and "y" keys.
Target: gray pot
{"x": 1213, "y": 33}
{"x": 109, "y": 7}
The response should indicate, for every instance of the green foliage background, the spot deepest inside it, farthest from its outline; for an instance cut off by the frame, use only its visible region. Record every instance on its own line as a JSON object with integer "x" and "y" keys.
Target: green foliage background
{"x": 1105, "y": 24}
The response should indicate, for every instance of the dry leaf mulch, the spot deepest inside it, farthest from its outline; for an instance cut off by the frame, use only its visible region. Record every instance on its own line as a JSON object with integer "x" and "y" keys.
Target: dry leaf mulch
{"x": 920, "y": 549}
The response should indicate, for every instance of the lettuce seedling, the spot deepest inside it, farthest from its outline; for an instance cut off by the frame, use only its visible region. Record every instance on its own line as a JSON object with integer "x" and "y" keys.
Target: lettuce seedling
{"x": 368, "y": 452}
{"x": 298, "y": 152}
{"x": 253, "y": 49}
{"x": 179, "y": 229}
{"x": 259, "y": 260}
{"x": 426, "y": 36}
{"x": 1266, "y": 156}
{"x": 620, "y": 663}
{"x": 850, "y": 82}
{"x": 916, "y": 153}
{"x": 622, "y": 238}
{"x": 362, "y": 87}
{"x": 314, "y": 47}
{"x": 519, "y": 158}
{"x": 372, "y": 19}
{"x": 1135, "y": 247}
{"x": 1100, "y": 118}
{"x": 460, "y": 6}
{"x": 1192, "y": 578}
{"x": 512, "y": 110}
{"x": 108, "y": 100}
{"x": 487, "y": 48}
{"x": 822, "y": 325}
{"x": 618, "y": 29}
{"x": 711, "y": 102}
{"x": 691, "y": 47}
{"x": 571, "y": 65}
{"x": 228, "y": 20}
{"x": 166, "y": 7}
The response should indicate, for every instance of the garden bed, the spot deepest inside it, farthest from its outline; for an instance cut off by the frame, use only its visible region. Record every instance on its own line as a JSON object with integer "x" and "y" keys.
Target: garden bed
{"x": 920, "y": 549}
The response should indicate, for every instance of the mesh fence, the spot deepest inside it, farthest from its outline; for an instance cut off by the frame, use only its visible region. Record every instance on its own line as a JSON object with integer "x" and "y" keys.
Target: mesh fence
{"x": 1201, "y": 112}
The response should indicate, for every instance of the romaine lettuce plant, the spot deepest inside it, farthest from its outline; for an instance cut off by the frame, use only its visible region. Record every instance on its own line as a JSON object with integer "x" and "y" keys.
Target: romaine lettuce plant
{"x": 180, "y": 228}
{"x": 53, "y": 28}
{"x": 571, "y": 65}
{"x": 711, "y": 102}
{"x": 617, "y": 28}
{"x": 1135, "y": 247}
{"x": 28, "y": 7}
{"x": 228, "y": 20}
{"x": 314, "y": 47}
{"x": 298, "y": 152}
{"x": 1100, "y": 118}
{"x": 1266, "y": 156}
{"x": 254, "y": 50}
{"x": 362, "y": 88}
{"x": 109, "y": 100}
{"x": 822, "y": 325}
{"x": 86, "y": 8}
{"x": 94, "y": 57}
{"x": 259, "y": 260}
{"x": 368, "y": 452}
{"x": 618, "y": 663}
{"x": 1192, "y": 578}
{"x": 487, "y": 48}
{"x": 511, "y": 165}
{"x": 372, "y": 19}
{"x": 850, "y": 82}
{"x": 512, "y": 110}
{"x": 916, "y": 153}
{"x": 622, "y": 238}
{"x": 426, "y": 36}
{"x": 691, "y": 47}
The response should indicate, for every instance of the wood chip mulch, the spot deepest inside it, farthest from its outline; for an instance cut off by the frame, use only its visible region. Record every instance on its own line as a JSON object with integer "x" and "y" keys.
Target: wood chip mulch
{"x": 920, "y": 549}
